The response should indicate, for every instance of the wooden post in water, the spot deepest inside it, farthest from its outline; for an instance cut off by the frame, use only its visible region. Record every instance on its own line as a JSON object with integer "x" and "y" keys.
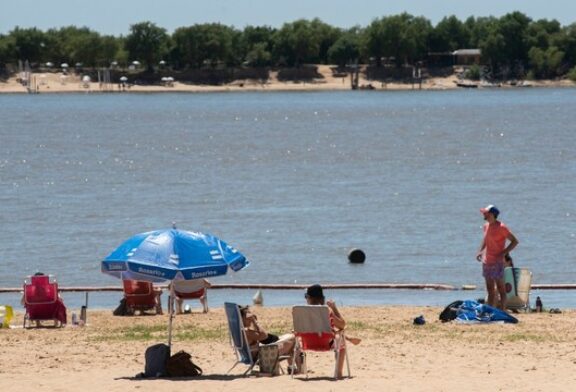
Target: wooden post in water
{"x": 354, "y": 76}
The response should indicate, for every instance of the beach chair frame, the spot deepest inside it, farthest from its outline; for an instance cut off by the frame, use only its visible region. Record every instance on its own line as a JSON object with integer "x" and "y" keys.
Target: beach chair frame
{"x": 40, "y": 309}
{"x": 199, "y": 295}
{"x": 315, "y": 319}
{"x": 144, "y": 300}
{"x": 518, "y": 282}
{"x": 238, "y": 338}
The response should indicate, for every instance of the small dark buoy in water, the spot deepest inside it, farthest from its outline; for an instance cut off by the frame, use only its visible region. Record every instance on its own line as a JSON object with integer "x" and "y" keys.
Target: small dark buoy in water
{"x": 356, "y": 256}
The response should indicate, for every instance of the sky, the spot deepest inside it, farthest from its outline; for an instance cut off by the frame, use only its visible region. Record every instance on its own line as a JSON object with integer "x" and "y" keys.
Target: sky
{"x": 114, "y": 17}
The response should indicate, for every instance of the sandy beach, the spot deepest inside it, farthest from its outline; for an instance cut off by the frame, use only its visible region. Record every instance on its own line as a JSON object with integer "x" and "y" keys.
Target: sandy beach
{"x": 71, "y": 83}
{"x": 535, "y": 355}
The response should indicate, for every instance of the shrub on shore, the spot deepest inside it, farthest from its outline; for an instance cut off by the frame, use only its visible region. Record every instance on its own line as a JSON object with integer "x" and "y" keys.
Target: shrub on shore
{"x": 572, "y": 75}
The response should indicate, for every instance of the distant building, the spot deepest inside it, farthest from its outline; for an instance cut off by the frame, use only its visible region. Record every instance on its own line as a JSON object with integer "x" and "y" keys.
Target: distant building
{"x": 467, "y": 56}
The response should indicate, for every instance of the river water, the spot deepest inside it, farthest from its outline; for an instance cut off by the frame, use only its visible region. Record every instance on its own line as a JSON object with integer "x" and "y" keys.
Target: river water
{"x": 294, "y": 181}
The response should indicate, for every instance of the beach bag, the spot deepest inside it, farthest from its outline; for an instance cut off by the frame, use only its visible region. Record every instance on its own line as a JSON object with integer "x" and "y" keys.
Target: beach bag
{"x": 122, "y": 309}
{"x": 181, "y": 365}
{"x": 156, "y": 357}
{"x": 450, "y": 312}
{"x": 269, "y": 356}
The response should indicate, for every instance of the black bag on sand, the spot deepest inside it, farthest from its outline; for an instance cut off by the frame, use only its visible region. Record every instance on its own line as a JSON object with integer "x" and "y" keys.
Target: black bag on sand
{"x": 157, "y": 357}
{"x": 181, "y": 365}
{"x": 122, "y": 309}
{"x": 450, "y": 312}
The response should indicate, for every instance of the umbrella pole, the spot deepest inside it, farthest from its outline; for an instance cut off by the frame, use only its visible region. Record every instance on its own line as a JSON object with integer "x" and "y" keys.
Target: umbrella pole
{"x": 171, "y": 314}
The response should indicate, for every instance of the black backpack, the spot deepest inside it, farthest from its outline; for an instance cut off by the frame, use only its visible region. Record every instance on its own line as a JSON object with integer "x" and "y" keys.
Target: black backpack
{"x": 156, "y": 359}
{"x": 181, "y": 365}
{"x": 450, "y": 312}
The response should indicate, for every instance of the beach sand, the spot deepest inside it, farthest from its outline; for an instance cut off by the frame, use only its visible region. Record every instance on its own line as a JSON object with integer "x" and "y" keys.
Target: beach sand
{"x": 538, "y": 354}
{"x": 56, "y": 83}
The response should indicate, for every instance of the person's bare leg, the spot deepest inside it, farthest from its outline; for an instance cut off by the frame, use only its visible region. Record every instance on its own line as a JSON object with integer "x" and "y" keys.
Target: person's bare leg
{"x": 491, "y": 289}
{"x": 286, "y": 344}
{"x": 179, "y": 302}
{"x": 204, "y": 302}
{"x": 340, "y": 365}
{"x": 158, "y": 302}
{"x": 501, "y": 286}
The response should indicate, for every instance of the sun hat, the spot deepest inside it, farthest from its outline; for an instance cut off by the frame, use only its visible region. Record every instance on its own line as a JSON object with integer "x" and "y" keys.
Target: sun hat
{"x": 490, "y": 208}
{"x": 315, "y": 291}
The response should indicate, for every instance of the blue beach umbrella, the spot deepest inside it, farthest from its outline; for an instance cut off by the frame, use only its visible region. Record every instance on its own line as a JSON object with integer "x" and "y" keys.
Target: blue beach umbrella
{"x": 168, "y": 255}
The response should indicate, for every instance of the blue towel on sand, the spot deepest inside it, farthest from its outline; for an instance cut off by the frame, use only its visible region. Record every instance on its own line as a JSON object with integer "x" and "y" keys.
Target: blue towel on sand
{"x": 475, "y": 312}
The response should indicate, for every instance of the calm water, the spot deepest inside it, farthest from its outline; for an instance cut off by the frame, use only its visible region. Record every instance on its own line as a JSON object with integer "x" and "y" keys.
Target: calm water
{"x": 294, "y": 181}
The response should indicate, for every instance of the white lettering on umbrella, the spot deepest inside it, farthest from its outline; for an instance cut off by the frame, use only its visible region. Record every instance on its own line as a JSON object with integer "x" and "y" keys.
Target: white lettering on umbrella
{"x": 216, "y": 255}
{"x": 150, "y": 271}
{"x": 196, "y": 275}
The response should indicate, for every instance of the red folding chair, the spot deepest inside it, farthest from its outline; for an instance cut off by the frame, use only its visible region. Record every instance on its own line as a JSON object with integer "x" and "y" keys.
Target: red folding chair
{"x": 314, "y": 333}
{"x": 201, "y": 295}
{"x": 141, "y": 296}
{"x": 41, "y": 301}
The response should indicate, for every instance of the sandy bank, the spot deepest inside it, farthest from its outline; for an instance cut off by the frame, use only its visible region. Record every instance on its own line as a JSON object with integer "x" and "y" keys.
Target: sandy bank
{"x": 57, "y": 83}
{"x": 535, "y": 355}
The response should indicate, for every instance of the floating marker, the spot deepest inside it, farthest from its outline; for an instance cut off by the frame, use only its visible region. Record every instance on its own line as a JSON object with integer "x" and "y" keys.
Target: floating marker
{"x": 258, "y": 298}
{"x": 356, "y": 256}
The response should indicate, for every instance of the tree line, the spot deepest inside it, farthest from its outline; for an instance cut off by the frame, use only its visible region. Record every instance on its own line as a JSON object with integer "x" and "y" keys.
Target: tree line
{"x": 513, "y": 45}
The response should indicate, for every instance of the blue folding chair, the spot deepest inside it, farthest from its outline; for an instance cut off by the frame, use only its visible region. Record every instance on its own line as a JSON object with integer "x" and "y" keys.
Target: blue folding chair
{"x": 238, "y": 337}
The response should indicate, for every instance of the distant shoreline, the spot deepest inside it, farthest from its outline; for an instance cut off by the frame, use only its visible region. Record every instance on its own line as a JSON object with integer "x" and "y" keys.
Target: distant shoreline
{"x": 57, "y": 83}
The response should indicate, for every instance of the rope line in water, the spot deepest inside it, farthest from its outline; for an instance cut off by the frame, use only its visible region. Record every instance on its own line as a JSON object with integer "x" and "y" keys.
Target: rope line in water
{"x": 405, "y": 286}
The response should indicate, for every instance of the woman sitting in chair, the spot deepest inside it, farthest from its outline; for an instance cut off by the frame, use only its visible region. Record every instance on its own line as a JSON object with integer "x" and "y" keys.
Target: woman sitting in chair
{"x": 315, "y": 296}
{"x": 256, "y": 335}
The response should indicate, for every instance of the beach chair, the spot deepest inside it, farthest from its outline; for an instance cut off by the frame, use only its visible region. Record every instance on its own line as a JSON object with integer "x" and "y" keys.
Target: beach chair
{"x": 267, "y": 356}
{"x": 238, "y": 337}
{"x": 195, "y": 289}
{"x": 41, "y": 301}
{"x": 314, "y": 332}
{"x": 518, "y": 282}
{"x": 141, "y": 296}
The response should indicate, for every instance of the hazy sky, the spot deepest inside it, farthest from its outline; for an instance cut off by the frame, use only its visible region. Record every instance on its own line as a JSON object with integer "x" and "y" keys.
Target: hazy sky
{"x": 116, "y": 16}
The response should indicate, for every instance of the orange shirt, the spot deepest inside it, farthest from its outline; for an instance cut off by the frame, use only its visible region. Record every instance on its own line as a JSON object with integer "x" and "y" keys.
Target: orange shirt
{"x": 495, "y": 235}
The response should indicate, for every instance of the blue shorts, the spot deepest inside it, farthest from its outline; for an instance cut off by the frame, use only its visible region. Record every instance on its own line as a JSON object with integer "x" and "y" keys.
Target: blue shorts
{"x": 493, "y": 271}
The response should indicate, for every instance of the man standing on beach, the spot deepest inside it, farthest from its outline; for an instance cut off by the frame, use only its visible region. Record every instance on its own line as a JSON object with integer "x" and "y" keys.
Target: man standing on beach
{"x": 492, "y": 252}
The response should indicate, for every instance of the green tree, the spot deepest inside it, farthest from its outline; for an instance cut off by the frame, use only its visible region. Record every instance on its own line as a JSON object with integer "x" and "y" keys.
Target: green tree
{"x": 256, "y": 45}
{"x": 109, "y": 50}
{"x": 147, "y": 42}
{"x": 506, "y": 44}
{"x": 296, "y": 43}
{"x": 541, "y": 33}
{"x": 204, "y": 44}
{"x": 572, "y": 74}
{"x": 403, "y": 38}
{"x": 72, "y": 44}
{"x": 545, "y": 63}
{"x": 346, "y": 49}
{"x": 28, "y": 44}
{"x": 479, "y": 29}
{"x": 326, "y": 36}
{"x": 566, "y": 41}
{"x": 449, "y": 35}
{"x": 7, "y": 50}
